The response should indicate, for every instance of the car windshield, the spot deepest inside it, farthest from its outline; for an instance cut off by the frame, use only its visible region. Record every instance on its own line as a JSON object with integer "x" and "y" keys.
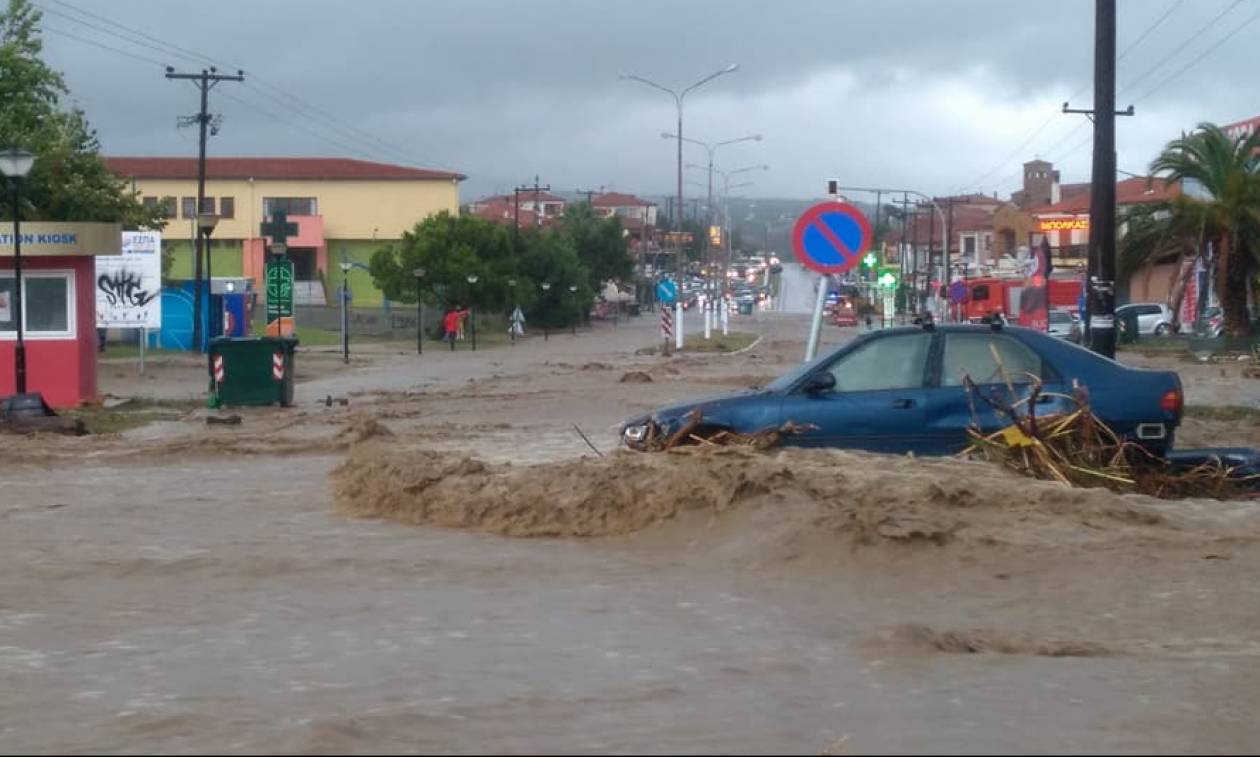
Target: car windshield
{"x": 1059, "y": 317}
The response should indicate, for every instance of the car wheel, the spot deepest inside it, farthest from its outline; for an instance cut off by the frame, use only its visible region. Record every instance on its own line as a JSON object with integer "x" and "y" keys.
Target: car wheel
{"x": 1163, "y": 329}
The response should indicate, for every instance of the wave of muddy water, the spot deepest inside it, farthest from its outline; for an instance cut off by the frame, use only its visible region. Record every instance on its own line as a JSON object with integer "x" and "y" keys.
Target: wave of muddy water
{"x": 376, "y": 578}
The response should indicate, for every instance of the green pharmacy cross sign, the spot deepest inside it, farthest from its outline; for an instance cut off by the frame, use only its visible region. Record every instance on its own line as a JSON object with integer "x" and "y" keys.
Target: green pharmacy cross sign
{"x": 279, "y": 229}
{"x": 279, "y": 289}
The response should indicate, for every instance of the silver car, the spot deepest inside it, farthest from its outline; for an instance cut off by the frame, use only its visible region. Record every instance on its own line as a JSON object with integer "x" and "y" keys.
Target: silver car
{"x": 1064, "y": 325}
{"x": 1152, "y": 317}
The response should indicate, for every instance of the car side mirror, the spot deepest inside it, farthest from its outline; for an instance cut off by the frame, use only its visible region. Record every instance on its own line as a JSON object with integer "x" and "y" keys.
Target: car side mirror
{"x": 817, "y": 383}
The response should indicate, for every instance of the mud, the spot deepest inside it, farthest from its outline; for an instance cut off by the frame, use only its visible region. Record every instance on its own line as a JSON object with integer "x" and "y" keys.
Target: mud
{"x": 856, "y": 499}
{"x": 443, "y": 565}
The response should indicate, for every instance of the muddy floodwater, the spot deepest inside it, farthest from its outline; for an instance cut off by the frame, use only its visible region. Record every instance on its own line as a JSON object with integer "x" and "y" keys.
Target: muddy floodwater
{"x": 441, "y": 564}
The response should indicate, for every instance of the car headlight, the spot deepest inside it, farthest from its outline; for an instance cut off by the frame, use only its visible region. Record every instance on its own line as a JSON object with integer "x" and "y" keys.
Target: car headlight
{"x": 635, "y": 433}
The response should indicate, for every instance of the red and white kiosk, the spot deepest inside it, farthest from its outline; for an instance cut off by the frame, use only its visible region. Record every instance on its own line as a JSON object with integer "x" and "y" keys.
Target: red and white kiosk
{"x": 59, "y": 307}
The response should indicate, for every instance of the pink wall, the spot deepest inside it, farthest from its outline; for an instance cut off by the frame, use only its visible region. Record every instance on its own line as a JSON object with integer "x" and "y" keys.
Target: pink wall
{"x": 63, "y": 370}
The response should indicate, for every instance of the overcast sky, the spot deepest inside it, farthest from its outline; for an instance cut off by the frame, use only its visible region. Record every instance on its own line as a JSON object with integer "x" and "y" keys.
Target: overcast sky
{"x": 930, "y": 94}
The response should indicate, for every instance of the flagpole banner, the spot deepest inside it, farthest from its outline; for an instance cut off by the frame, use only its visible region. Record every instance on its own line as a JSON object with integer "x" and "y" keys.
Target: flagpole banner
{"x": 1034, "y": 302}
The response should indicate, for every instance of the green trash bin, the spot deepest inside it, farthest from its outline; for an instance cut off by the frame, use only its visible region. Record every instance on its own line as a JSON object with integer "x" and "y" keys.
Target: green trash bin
{"x": 253, "y": 370}
{"x": 745, "y": 308}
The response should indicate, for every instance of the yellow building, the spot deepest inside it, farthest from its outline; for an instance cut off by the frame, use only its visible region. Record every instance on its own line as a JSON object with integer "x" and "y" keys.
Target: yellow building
{"x": 344, "y": 210}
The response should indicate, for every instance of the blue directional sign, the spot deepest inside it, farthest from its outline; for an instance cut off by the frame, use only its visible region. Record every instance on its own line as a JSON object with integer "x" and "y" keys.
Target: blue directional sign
{"x": 831, "y": 237}
{"x": 666, "y": 291}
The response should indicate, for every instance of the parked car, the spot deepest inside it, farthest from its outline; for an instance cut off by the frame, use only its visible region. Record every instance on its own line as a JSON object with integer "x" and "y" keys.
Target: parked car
{"x": 1065, "y": 325}
{"x": 1153, "y": 318}
{"x": 901, "y": 390}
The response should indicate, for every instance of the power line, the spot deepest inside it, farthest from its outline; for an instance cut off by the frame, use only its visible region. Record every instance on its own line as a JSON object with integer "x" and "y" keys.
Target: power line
{"x": 1036, "y": 132}
{"x": 329, "y": 121}
{"x": 1201, "y": 56}
{"x": 1176, "y": 4}
{"x": 103, "y": 46}
{"x": 1202, "y": 30}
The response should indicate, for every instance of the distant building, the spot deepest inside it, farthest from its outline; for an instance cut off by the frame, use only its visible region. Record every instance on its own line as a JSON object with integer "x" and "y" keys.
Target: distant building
{"x": 638, "y": 218}
{"x": 343, "y": 208}
{"x": 542, "y": 207}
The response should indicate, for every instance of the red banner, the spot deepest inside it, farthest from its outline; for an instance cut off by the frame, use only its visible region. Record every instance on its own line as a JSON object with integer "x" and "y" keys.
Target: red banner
{"x": 1034, "y": 301}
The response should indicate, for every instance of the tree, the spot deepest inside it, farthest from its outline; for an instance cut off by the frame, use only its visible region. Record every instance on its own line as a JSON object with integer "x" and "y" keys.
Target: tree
{"x": 449, "y": 248}
{"x": 600, "y": 244}
{"x": 1227, "y": 170}
{"x": 70, "y": 181}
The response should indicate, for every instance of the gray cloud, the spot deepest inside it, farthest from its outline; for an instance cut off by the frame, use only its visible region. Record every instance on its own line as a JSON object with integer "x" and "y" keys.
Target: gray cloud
{"x": 923, "y": 94}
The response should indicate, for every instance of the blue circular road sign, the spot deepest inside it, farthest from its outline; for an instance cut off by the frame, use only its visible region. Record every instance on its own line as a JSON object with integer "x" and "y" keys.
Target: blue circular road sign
{"x": 666, "y": 291}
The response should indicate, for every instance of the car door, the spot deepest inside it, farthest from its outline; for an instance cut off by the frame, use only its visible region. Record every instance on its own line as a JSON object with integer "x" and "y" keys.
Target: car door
{"x": 950, "y": 410}
{"x": 877, "y": 403}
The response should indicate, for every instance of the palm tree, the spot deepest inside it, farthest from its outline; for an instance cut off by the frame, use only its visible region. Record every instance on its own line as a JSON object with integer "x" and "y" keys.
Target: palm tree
{"x": 1227, "y": 216}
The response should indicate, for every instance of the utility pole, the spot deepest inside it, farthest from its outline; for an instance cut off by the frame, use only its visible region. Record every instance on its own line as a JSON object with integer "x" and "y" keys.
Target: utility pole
{"x": 205, "y": 81}
{"x": 1100, "y": 298}
{"x": 516, "y": 228}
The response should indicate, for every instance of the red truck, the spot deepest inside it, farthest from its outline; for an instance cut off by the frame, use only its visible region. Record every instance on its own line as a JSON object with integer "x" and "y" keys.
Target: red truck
{"x": 986, "y": 296}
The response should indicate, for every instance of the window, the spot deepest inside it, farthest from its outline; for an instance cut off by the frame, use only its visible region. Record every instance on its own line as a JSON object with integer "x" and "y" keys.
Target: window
{"x": 969, "y": 246}
{"x": 895, "y": 362}
{"x": 207, "y": 205}
{"x": 227, "y": 207}
{"x": 972, "y": 355}
{"x": 1150, "y": 310}
{"x": 168, "y": 206}
{"x": 294, "y": 206}
{"x": 980, "y": 293}
{"x": 188, "y": 207}
{"x": 47, "y": 297}
{"x": 150, "y": 203}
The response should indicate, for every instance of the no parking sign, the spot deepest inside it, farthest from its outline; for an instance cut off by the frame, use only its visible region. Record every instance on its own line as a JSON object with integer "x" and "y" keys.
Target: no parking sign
{"x": 831, "y": 237}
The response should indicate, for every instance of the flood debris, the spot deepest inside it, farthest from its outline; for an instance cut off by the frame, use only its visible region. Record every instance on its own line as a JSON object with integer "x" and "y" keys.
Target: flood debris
{"x": 636, "y": 377}
{"x": 695, "y": 430}
{"x": 1078, "y": 449}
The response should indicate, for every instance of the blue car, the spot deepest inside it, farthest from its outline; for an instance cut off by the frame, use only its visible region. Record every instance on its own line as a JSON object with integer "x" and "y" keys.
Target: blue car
{"x": 902, "y": 390}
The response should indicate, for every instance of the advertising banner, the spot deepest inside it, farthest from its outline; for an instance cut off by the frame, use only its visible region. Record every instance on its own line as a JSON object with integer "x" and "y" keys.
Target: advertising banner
{"x": 129, "y": 286}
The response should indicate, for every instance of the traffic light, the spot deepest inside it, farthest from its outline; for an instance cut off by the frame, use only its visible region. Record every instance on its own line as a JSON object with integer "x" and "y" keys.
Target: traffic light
{"x": 715, "y": 236}
{"x": 833, "y": 187}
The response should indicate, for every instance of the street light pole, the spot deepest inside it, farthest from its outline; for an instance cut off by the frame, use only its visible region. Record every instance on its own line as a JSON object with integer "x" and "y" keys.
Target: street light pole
{"x": 472, "y": 310}
{"x": 679, "y": 97}
{"x": 15, "y": 164}
{"x": 546, "y": 287}
{"x": 419, "y": 274}
{"x": 573, "y": 296}
{"x": 345, "y": 310}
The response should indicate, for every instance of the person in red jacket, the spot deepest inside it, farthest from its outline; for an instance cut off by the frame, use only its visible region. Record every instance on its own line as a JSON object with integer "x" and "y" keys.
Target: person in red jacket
{"x": 451, "y": 323}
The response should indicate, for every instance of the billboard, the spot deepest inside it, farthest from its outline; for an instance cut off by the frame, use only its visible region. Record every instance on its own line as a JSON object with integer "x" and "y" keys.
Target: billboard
{"x": 129, "y": 286}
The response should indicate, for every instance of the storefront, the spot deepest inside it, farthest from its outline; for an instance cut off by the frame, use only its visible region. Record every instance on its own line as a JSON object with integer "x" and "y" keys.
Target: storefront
{"x": 59, "y": 308}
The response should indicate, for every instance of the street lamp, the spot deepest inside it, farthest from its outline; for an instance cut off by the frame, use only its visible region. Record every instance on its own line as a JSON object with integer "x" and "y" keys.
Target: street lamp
{"x": 472, "y": 310}
{"x": 512, "y": 317}
{"x": 419, "y": 274}
{"x": 678, "y": 101}
{"x": 346, "y": 265}
{"x": 15, "y": 164}
{"x": 573, "y": 296}
{"x": 546, "y": 287}
{"x": 205, "y": 227}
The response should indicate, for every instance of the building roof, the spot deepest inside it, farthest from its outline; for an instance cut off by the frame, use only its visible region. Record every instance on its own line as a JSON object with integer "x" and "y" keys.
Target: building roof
{"x": 1135, "y": 191}
{"x": 618, "y": 200}
{"x": 317, "y": 169}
